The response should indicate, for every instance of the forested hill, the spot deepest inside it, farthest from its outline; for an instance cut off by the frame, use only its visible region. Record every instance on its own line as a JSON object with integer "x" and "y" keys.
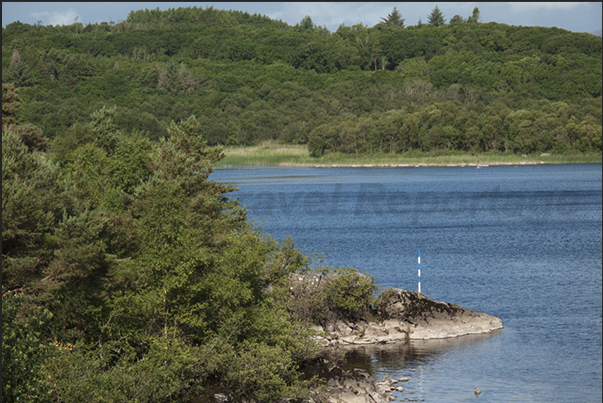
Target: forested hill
{"x": 127, "y": 275}
{"x": 461, "y": 85}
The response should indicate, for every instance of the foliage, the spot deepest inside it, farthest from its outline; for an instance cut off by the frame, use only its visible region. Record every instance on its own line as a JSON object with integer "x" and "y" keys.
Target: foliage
{"x": 150, "y": 281}
{"x": 166, "y": 371}
{"x": 394, "y": 18}
{"x": 251, "y": 79}
{"x": 332, "y": 295}
{"x": 475, "y": 16}
{"x": 24, "y": 353}
{"x": 436, "y": 18}
{"x": 351, "y": 294}
{"x": 10, "y": 102}
{"x": 143, "y": 273}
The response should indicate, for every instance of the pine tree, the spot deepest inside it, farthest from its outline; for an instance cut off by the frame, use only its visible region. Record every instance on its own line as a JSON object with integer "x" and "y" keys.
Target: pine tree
{"x": 306, "y": 24}
{"x": 394, "y": 18}
{"x": 436, "y": 18}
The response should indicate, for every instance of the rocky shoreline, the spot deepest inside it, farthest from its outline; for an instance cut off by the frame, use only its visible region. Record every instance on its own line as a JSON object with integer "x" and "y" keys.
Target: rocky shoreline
{"x": 359, "y": 386}
{"x": 409, "y": 316}
{"x": 403, "y": 317}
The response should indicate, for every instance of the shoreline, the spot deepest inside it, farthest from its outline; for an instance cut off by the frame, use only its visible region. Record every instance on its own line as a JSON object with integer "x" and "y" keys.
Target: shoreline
{"x": 403, "y": 317}
{"x": 408, "y": 316}
{"x": 273, "y": 154}
{"x": 401, "y": 165}
{"x": 404, "y": 165}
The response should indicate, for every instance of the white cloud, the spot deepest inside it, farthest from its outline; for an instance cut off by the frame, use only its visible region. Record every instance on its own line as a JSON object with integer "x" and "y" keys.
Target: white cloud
{"x": 56, "y": 18}
{"x": 529, "y": 6}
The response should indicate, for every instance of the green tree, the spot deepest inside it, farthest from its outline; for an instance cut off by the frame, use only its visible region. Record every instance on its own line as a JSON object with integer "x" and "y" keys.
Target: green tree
{"x": 10, "y": 102}
{"x": 475, "y": 16}
{"x": 32, "y": 204}
{"x": 104, "y": 129}
{"x": 457, "y": 19}
{"x": 306, "y": 24}
{"x": 24, "y": 352}
{"x": 394, "y": 19}
{"x": 436, "y": 18}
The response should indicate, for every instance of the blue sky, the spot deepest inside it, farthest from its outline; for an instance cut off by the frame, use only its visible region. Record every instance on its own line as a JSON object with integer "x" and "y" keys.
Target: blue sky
{"x": 573, "y": 16}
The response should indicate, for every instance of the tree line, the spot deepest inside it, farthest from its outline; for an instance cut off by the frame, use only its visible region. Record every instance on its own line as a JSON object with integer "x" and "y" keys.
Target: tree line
{"x": 127, "y": 275}
{"x": 249, "y": 78}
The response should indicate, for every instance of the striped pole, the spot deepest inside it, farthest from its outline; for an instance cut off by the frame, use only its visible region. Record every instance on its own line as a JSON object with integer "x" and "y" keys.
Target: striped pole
{"x": 419, "y": 271}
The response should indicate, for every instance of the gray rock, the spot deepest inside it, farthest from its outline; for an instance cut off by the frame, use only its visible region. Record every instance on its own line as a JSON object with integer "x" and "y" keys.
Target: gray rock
{"x": 221, "y": 398}
{"x": 387, "y": 379}
{"x": 412, "y": 316}
{"x": 356, "y": 386}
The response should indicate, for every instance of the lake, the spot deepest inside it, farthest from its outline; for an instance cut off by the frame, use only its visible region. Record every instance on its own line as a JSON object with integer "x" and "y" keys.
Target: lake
{"x": 521, "y": 243}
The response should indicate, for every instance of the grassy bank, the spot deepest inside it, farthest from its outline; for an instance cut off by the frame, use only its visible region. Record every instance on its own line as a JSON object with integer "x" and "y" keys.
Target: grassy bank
{"x": 273, "y": 153}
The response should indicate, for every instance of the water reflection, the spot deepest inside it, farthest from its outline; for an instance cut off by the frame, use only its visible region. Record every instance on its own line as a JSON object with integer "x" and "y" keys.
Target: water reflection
{"x": 418, "y": 361}
{"x": 406, "y": 357}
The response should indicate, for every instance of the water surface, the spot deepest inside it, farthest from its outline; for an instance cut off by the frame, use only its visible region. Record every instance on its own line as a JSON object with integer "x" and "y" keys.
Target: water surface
{"x": 521, "y": 243}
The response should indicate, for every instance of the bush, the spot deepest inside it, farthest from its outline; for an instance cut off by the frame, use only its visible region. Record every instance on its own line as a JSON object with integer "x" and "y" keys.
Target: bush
{"x": 342, "y": 294}
{"x": 165, "y": 372}
{"x": 262, "y": 372}
{"x": 351, "y": 294}
{"x": 24, "y": 354}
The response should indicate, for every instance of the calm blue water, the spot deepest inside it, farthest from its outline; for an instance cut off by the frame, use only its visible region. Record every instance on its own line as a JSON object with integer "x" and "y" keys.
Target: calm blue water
{"x": 521, "y": 243}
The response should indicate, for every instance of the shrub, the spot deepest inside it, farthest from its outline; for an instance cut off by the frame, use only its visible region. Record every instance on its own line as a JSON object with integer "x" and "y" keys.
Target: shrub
{"x": 341, "y": 294}
{"x": 165, "y": 372}
{"x": 351, "y": 294}
{"x": 24, "y": 376}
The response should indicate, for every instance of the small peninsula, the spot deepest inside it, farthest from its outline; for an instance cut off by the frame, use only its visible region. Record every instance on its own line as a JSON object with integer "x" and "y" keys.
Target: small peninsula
{"x": 396, "y": 316}
{"x": 410, "y": 316}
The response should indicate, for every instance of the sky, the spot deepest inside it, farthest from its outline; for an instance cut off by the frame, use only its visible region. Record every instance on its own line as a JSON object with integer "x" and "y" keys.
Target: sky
{"x": 572, "y": 16}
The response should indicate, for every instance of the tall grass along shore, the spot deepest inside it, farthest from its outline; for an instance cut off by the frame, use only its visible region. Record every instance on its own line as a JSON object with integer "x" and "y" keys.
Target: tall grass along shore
{"x": 278, "y": 154}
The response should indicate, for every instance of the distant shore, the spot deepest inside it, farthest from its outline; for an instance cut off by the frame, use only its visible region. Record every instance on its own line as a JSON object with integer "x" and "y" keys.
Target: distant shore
{"x": 408, "y": 165}
{"x": 292, "y": 155}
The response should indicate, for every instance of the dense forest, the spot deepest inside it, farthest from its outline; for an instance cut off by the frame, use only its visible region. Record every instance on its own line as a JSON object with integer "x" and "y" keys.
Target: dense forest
{"x": 127, "y": 275}
{"x": 461, "y": 85}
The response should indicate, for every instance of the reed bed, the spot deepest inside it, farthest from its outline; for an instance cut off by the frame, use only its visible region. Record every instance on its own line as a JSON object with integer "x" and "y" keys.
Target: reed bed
{"x": 274, "y": 153}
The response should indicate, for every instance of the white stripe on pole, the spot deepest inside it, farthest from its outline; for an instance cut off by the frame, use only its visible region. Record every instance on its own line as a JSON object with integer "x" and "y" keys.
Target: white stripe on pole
{"x": 419, "y": 259}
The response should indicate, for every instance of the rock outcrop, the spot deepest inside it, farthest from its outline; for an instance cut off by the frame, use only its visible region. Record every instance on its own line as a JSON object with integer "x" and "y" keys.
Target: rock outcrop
{"x": 409, "y": 316}
{"x": 355, "y": 386}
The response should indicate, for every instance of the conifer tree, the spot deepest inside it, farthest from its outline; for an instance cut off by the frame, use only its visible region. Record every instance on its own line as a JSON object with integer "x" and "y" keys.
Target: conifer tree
{"x": 394, "y": 18}
{"x": 436, "y": 18}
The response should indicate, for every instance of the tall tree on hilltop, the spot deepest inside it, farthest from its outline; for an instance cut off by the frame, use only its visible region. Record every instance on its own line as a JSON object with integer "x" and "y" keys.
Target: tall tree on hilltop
{"x": 436, "y": 18}
{"x": 306, "y": 24}
{"x": 475, "y": 16}
{"x": 457, "y": 19}
{"x": 394, "y": 18}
